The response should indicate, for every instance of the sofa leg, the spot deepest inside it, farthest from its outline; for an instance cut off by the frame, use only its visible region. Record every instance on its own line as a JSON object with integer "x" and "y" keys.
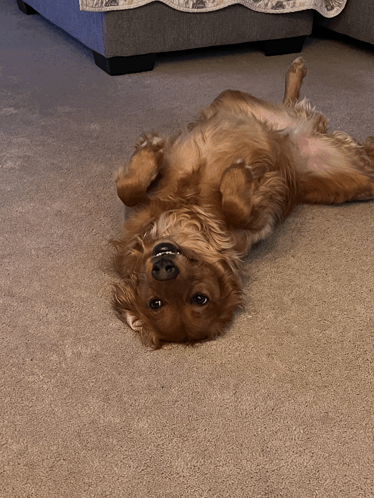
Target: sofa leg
{"x": 284, "y": 46}
{"x": 123, "y": 65}
{"x": 26, "y": 9}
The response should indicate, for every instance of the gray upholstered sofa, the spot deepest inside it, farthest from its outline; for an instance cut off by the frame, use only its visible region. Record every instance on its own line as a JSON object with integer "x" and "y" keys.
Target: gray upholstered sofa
{"x": 125, "y": 41}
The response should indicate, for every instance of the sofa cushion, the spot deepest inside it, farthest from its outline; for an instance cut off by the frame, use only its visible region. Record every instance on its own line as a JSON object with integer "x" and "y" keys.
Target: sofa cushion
{"x": 356, "y": 20}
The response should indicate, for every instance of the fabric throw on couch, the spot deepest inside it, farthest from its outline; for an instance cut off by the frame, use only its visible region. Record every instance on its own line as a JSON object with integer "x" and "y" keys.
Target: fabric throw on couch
{"x": 328, "y": 8}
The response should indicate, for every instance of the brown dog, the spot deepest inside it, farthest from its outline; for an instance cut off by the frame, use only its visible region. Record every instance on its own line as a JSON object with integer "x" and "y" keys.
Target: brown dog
{"x": 204, "y": 197}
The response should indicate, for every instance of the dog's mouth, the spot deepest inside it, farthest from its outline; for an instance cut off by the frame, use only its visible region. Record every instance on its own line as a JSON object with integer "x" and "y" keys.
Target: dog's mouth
{"x": 165, "y": 249}
{"x": 164, "y": 266}
{"x": 170, "y": 251}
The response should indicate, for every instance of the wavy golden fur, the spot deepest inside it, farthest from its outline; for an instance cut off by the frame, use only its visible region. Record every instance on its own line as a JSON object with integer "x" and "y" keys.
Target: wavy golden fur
{"x": 203, "y": 198}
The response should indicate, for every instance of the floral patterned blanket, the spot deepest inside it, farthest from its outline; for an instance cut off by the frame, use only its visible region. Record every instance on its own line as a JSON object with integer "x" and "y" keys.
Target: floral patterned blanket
{"x": 328, "y": 8}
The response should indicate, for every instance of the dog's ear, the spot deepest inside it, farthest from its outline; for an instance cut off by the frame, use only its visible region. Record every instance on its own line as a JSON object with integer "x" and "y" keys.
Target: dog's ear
{"x": 144, "y": 169}
{"x": 125, "y": 304}
{"x": 237, "y": 185}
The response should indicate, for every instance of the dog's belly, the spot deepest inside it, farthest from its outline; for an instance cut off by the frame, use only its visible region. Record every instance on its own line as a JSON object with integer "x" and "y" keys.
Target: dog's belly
{"x": 316, "y": 152}
{"x": 325, "y": 154}
{"x": 276, "y": 119}
{"x": 245, "y": 134}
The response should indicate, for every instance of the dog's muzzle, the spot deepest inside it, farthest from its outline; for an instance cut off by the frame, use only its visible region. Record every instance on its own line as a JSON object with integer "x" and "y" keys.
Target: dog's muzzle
{"x": 164, "y": 267}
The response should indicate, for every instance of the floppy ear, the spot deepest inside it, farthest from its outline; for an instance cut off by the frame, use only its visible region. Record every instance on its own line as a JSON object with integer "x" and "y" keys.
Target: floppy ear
{"x": 134, "y": 182}
{"x": 124, "y": 304}
{"x": 125, "y": 262}
{"x": 237, "y": 186}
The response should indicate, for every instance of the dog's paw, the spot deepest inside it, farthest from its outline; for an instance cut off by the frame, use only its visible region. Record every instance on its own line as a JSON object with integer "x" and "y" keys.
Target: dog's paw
{"x": 152, "y": 141}
{"x": 144, "y": 171}
{"x": 254, "y": 171}
{"x": 299, "y": 67}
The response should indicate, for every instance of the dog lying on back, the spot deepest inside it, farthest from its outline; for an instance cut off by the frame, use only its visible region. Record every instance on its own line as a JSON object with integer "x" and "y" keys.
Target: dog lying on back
{"x": 204, "y": 197}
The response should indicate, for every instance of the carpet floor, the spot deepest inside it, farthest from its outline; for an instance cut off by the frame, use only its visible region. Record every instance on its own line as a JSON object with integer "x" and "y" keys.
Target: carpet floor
{"x": 283, "y": 404}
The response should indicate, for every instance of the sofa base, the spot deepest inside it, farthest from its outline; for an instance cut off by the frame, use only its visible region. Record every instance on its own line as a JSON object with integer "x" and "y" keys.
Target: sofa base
{"x": 26, "y": 9}
{"x": 284, "y": 46}
{"x": 116, "y": 66}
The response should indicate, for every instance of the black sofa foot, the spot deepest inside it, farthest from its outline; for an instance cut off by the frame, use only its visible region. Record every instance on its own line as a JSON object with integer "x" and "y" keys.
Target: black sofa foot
{"x": 124, "y": 65}
{"x": 284, "y": 46}
{"x": 26, "y": 9}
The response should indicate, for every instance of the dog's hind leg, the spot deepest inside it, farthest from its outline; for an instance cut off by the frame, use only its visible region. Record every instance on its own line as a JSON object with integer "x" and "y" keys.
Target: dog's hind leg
{"x": 135, "y": 181}
{"x": 340, "y": 170}
{"x": 294, "y": 79}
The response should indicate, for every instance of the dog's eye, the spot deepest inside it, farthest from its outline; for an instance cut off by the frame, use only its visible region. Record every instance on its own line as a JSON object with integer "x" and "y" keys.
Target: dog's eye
{"x": 155, "y": 304}
{"x": 199, "y": 299}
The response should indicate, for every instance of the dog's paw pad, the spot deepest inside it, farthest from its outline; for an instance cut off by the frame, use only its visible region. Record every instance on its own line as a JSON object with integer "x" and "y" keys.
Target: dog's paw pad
{"x": 257, "y": 170}
{"x": 298, "y": 66}
{"x": 152, "y": 141}
{"x": 157, "y": 141}
{"x": 251, "y": 171}
{"x": 240, "y": 162}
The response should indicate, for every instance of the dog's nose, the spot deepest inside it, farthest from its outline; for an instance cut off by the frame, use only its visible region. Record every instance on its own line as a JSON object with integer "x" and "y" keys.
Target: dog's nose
{"x": 164, "y": 269}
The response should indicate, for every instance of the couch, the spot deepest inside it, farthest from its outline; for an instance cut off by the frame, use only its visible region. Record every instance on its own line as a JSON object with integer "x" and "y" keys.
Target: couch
{"x": 126, "y": 41}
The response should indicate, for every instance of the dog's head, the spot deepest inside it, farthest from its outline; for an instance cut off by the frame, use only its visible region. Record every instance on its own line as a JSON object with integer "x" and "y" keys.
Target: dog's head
{"x": 171, "y": 293}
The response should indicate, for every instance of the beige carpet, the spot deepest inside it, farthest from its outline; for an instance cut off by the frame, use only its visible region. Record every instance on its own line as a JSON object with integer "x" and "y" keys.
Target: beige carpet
{"x": 283, "y": 405}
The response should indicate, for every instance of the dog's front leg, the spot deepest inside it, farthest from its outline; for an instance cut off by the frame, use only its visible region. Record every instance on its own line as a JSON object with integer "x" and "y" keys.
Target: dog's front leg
{"x": 237, "y": 186}
{"x": 253, "y": 198}
{"x": 135, "y": 181}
